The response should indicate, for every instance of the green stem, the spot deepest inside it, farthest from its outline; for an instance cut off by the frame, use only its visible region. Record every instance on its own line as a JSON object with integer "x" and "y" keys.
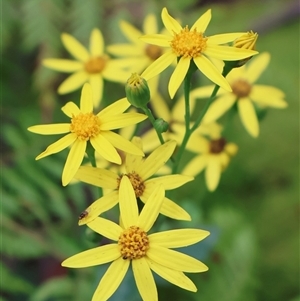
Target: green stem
{"x": 148, "y": 112}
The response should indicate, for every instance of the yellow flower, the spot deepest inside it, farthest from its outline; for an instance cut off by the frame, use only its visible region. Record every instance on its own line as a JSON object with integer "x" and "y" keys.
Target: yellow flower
{"x": 139, "y": 171}
{"x": 145, "y": 252}
{"x": 191, "y": 44}
{"x": 91, "y": 65}
{"x": 213, "y": 155}
{"x": 245, "y": 93}
{"x": 86, "y": 126}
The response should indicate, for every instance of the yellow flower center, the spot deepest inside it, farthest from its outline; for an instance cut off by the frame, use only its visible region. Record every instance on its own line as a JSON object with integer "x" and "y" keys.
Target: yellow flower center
{"x": 241, "y": 88}
{"x": 136, "y": 182}
{"x": 217, "y": 146}
{"x": 85, "y": 126}
{"x": 134, "y": 243}
{"x": 188, "y": 43}
{"x": 95, "y": 65}
{"x": 153, "y": 52}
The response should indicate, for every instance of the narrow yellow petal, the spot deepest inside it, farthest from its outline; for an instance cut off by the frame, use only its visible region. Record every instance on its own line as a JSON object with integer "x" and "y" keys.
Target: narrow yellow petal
{"x": 156, "y": 159}
{"x": 161, "y": 107}
{"x": 201, "y": 24}
{"x": 106, "y": 228}
{"x": 125, "y": 50}
{"x": 58, "y": 146}
{"x": 248, "y": 116}
{"x": 128, "y": 204}
{"x": 63, "y": 65}
{"x": 105, "y": 149}
{"x": 50, "y": 129}
{"x": 99, "y": 206}
{"x": 144, "y": 280}
{"x": 178, "y": 75}
{"x": 151, "y": 209}
{"x": 170, "y": 23}
{"x": 73, "y": 82}
{"x": 74, "y": 160}
{"x": 231, "y": 149}
{"x": 268, "y": 96}
{"x": 211, "y": 72}
{"x": 175, "y": 260}
{"x": 93, "y": 257}
{"x": 172, "y": 210}
{"x": 121, "y": 120}
{"x": 115, "y": 108}
{"x": 70, "y": 109}
{"x": 199, "y": 144}
{"x": 224, "y": 38}
{"x": 177, "y": 238}
{"x": 195, "y": 166}
{"x": 86, "y": 99}
{"x": 157, "y": 39}
{"x": 213, "y": 172}
{"x": 175, "y": 277}
{"x": 75, "y": 48}
{"x": 131, "y": 32}
{"x": 150, "y": 24}
{"x": 96, "y": 43}
{"x": 97, "y": 176}
{"x": 132, "y": 162}
{"x": 96, "y": 82}
{"x": 159, "y": 65}
{"x": 111, "y": 279}
{"x": 219, "y": 107}
{"x": 121, "y": 143}
{"x": 169, "y": 181}
{"x": 257, "y": 66}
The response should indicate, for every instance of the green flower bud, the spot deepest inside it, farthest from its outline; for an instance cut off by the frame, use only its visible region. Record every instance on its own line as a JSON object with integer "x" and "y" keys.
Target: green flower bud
{"x": 137, "y": 91}
{"x": 161, "y": 125}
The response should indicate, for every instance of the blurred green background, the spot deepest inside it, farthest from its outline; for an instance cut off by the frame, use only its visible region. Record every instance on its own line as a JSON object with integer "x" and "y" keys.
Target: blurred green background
{"x": 253, "y": 216}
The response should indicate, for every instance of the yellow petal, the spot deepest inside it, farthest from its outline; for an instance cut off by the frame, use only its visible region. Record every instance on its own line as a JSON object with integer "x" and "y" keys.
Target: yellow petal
{"x": 170, "y": 23}
{"x": 73, "y": 162}
{"x": 150, "y": 24}
{"x": 73, "y": 82}
{"x": 124, "y": 50}
{"x": 144, "y": 280}
{"x": 93, "y": 257}
{"x": 132, "y": 162}
{"x": 156, "y": 159}
{"x": 63, "y": 65}
{"x": 58, "y": 146}
{"x": 213, "y": 172}
{"x": 131, "y": 32}
{"x": 224, "y": 37}
{"x": 177, "y": 238}
{"x": 157, "y": 39}
{"x": 248, "y": 116}
{"x": 159, "y": 65}
{"x": 175, "y": 260}
{"x": 50, "y": 129}
{"x": 199, "y": 144}
{"x": 121, "y": 143}
{"x": 70, "y": 109}
{"x": 201, "y": 24}
{"x": 268, "y": 96}
{"x": 178, "y": 75}
{"x": 169, "y": 181}
{"x": 96, "y": 43}
{"x": 96, "y": 82}
{"x": 111, "y": 279}
{"x": 174, "y": 277}
{"x": 106, "y": 228}
{"x": 75, "y": 48}
{"x": 195, "y": 166}
{"x": 219, "y": 107}
{"x": 99, "y": 206}
{"x": 161, "y": 107}
{"x": 117, "y": 70}
{"x": 115, "y": 108}
{"x": 151, "y": 209}
{"x": 231, "y": 149}
{"x": 128, "y": 204}
{"x": 211, "y": 72}
{"x": 105, "y": 149}
{"x": 257, "y": 66}
{"x": 172, "y": 210}
{"x": 120, "y": 120}
{"x": 97, "y": 176}
{"x": 86, "y": 99}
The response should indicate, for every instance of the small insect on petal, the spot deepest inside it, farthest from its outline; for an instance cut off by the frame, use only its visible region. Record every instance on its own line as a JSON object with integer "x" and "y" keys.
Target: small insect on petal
{"x": 83, "y": 214}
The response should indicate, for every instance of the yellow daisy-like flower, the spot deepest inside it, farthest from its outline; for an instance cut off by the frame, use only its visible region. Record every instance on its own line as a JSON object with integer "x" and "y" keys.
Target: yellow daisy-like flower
{"x": 86, "y": 126}
{"x": 91, "y": 65}
{"x": 213, "y": 155}
{"x": 145, "y": 252}
{"x": 191, "y": 44}
{"x": 139, "y": 171}
{"x": 245, "y": 93}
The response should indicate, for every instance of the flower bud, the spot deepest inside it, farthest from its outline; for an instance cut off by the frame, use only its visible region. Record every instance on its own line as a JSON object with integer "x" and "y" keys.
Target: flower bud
{"x": 137, "y": 91}
{"x": 161, "y": 125}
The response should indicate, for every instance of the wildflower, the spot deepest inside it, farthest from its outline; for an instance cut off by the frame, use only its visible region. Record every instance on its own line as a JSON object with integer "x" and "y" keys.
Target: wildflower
{"x": 139, "y": 171}
{"x": 246, "y": 94}
{"x": 213, "y": 155}
{"x": 86, "y": 126}
{"x": 144, "y": 252}
{"x": 91, "y": 65}
{"x": 191, "y": 45}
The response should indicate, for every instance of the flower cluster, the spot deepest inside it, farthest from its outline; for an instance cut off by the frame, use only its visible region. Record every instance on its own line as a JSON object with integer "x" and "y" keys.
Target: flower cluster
{"x": 146, "y": 163}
